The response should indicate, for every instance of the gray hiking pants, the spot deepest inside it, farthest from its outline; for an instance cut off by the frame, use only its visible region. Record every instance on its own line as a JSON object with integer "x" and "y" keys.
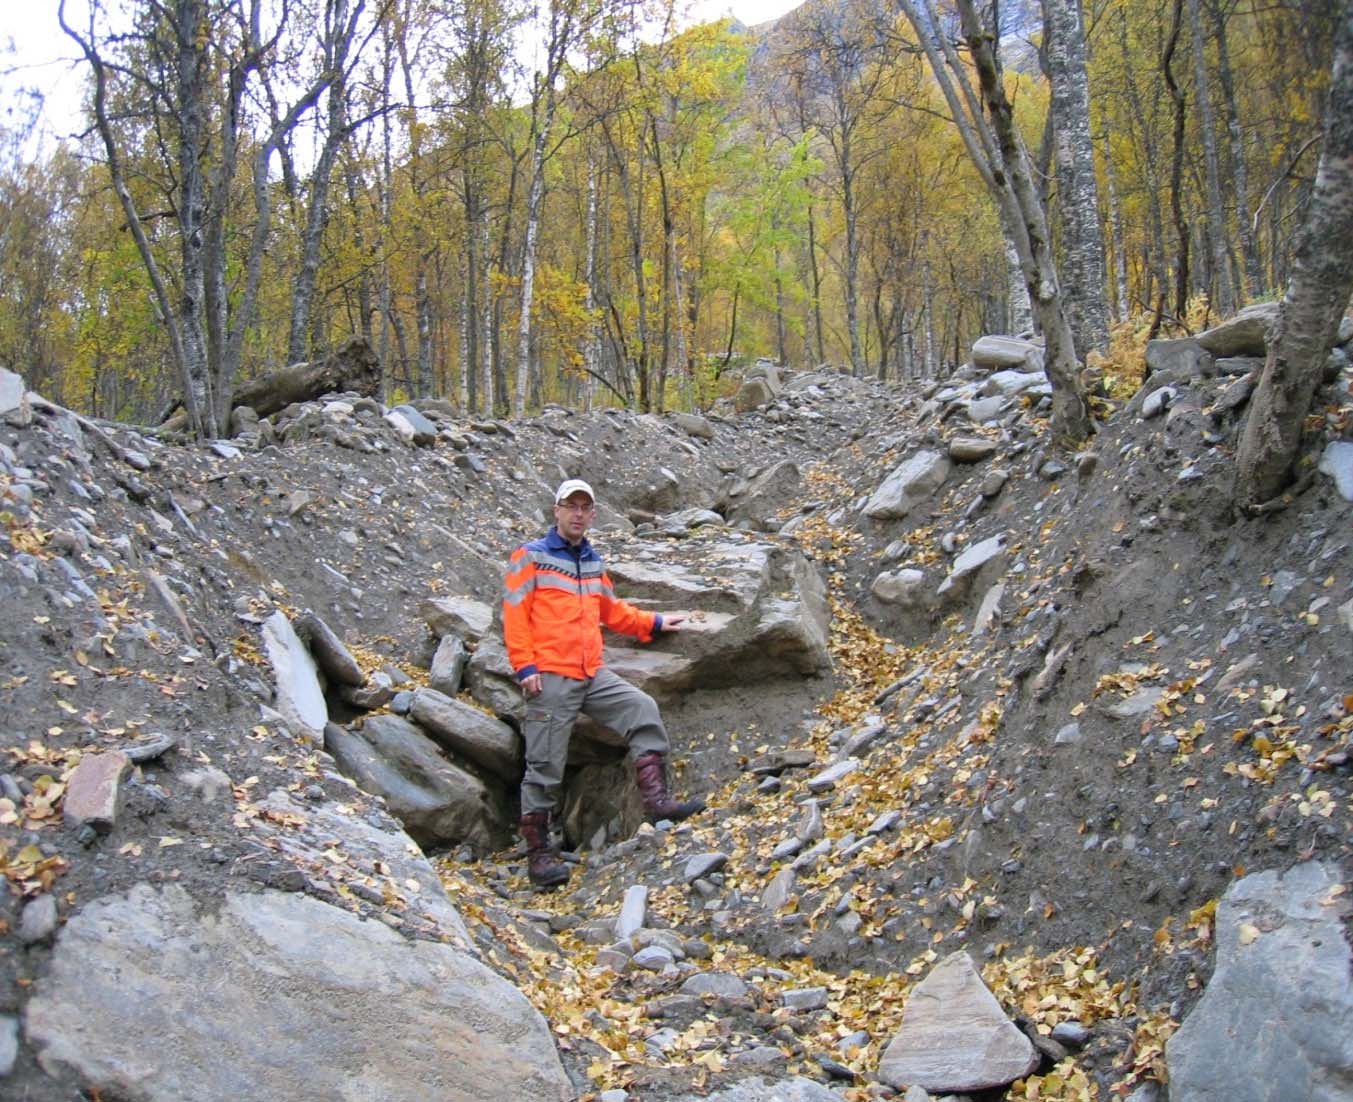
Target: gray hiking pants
{"x": 608, "y": 699}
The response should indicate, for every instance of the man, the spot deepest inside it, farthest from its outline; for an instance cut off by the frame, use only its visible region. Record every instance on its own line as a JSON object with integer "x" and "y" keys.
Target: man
{"x": 557, "y": 597}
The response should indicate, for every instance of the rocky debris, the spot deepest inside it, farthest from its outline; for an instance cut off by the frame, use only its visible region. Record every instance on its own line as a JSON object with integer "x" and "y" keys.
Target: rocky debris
{"x": 1007, "y": 352}
{"x": 330, "y": 655}
{"x": 1280, "y": 1001}
{"x": 954, "y": 1035}
{"x": 907, "y": 485}
{"x": 1245, "y": 334}
{"x": 1121, "y": 579}
{"x": 260, "y": 970}
{"x": 469, "y": 733}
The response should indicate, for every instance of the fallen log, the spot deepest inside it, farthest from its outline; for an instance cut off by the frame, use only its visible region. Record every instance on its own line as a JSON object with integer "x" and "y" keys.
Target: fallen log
{"x": 353, "y": 367}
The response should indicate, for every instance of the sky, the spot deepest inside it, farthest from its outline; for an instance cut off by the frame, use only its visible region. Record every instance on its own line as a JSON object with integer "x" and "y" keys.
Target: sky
{"x": 43, "y": 55}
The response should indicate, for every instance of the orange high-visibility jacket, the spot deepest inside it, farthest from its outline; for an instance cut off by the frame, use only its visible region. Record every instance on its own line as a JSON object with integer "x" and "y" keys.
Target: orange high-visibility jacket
{"x": 556, "y": 597}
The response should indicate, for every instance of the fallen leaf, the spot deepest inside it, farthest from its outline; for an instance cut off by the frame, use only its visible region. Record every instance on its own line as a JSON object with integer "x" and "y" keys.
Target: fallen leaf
{"x": 1248, "y": 933}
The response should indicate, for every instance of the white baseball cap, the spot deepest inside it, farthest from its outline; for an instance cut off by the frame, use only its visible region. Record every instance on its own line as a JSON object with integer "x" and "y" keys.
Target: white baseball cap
{"x": 571, "y": 486}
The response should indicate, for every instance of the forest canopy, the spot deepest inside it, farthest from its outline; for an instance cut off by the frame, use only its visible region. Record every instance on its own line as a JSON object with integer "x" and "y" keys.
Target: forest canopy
{"x": 623, "y": 209}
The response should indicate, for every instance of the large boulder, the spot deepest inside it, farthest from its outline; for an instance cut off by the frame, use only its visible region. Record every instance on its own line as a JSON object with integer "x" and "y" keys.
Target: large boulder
{"x": 1276, "y": 1020}
{"x": 1245, "y": 334}
{"x": 438, "y": 803}
{"x": 907, "y": 485}
{"x": 465, "y": 730}
{"x": 758, "y": 502}
{"x": 156, "y": 997}
{"x": 997, "y": 352}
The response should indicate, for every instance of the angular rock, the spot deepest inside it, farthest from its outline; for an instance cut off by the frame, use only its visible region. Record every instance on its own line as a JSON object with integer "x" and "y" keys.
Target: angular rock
{"x": 1010, "y": 383}
{"x": 752, "y": 395}
{"x": 260, "y": 971}
{"x": 804, "y": 999}
{"x": 693, "y": 425}
{"x": 448, "y": 665}
{"x": 829, "y": 777}
{"x": 300, "y": 700}
{"x": 633, "y": 911}
{"x": 983, "y": 410}
{"x": 437, "y": 803}
{"x": 1337, "y": 462}
{"x": 38, "y": 921}
{"x": 492, "y": 680}
{"x": 1276, "y": 1018}
{"x": 484, "y": 740}
{"x": 1184, "y": 357}
{"x": 971, "y": 449}
{"x": 776, "y": 894}
{"x": 94, "y": 790}
{"x": 330, "y": 655}
{"x": 757, "y": 1090}
{"x": 9, "y": 1044}
{"x": 14, "y": 405}
{"x": 702, "y": 864}
{"x": 900, "y": 587}
{"x": 1001, "y": 351}
{"x": 463, "y": 616}
{"x": 1244, "y": 334}
{"x": 906, "y": 485}
{"x": 757, "y": 505}
{"x": 972, "y": 560}
{"x": 955, "y": 1036}
{"x": 721, "y": 984}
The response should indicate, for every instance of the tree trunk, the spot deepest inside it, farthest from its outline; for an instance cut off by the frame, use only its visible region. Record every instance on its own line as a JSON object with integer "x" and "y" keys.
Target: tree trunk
{"x": 1071, "y": 419}
{"x": 1219, "y": 275}
{"x": 819, "y": 339}
{"x": 1251, "y": 275}
{"x": 1120, "y": 283}
{"x": 1077, "y": 192}
{"x": 1181, "y": 226}
{"x": 1317, "y": 296}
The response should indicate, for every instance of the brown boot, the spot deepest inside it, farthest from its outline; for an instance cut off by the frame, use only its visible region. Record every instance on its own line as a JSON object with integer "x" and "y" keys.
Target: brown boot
{"x": 543, "y": 866}
{"x": 651, "y": 775}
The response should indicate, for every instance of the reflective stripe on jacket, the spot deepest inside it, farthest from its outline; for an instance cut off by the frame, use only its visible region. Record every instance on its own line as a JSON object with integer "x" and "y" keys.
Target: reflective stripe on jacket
{"x": 556, "y": 597}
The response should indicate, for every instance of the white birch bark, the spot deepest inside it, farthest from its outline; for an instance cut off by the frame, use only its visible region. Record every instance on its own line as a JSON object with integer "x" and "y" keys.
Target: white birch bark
{"x": 1077, "y": 190}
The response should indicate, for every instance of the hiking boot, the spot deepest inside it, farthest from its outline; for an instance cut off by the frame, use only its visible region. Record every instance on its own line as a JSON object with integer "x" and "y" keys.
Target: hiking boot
{"x": 651, "y": 774}
{"x": 543, "y": 864}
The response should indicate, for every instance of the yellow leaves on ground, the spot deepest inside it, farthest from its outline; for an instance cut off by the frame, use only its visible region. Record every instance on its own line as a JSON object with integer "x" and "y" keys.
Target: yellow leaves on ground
{"x": 29, "y": 869}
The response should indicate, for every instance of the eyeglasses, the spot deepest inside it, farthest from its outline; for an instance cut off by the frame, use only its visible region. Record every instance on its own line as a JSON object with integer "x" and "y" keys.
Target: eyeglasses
{"x": 575, "y": 507}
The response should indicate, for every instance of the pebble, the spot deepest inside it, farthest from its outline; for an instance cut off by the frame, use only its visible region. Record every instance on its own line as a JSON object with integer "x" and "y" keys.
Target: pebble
{"x": 38, "y": 922}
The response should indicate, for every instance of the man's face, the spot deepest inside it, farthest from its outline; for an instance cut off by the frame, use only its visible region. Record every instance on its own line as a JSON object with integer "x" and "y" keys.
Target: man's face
{"x": 573, "y": 515}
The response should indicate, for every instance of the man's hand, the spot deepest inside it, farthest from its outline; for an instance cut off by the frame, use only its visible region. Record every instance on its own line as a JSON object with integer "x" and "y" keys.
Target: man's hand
{"x": 530, "y": 686}
{"x": 670, "y": 620}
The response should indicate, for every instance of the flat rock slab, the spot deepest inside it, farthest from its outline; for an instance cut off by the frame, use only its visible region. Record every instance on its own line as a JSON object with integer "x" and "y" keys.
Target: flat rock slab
{"x": 955, "y": 1036}
{"x": 155, "y": 997}
{"x": 300, "y": 700}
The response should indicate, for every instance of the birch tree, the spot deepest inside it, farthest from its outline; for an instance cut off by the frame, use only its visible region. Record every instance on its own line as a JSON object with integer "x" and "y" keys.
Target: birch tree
{"x": 1316, "y": 298}
{"x": 1077, "y": 190}
{"x": 1000, "y": 158}
{"x": 185, "y": 72}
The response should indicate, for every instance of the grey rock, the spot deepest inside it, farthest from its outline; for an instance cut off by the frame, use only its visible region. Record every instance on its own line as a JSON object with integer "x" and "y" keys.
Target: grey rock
{"x": 1068, "y": 735}
{"x": 972, "y": 560}
{"x": 702, "y": 864}
{"x": 693, "y": 425}
{"x": 1244, "y": 334}
{"x": 1002, "y": 351}
{"x": 776, "y": 894}
{"x": 633, "y": 910}
{"x": 804, "y": 999}
{"x": 904, "y": 587}
{"x": 448, "y": 665}
{"x": 1185, "y": 357}
{"x": 653, "y": 958}
{"x": 1158, "y": 401}
{"x": 993, "y": 483}
{"x": 14, "y": 405}
{"x": 1337, "y": 462}
{"x": 9, "y": 1044}
{"x": 752, "y": 395}
{"x": 38, "y": 921}
{"x": 437, "y": 803}
{"x": 465, "y": 730}
{"x": 300, "y": 700}
{"x": 1007, "y": 384}
{"x": 955, "y": 1036}
{"x": 971, "y": 449}
{"x": 463, "y": 616}
{"x": 1276, "y": 1019}
{"x": 757, "y": 504}
{"x": 291, "y": 961}
{"x": 829, "y": 777}
{"x": 330, "y": 655}
{"x": 720, "y": 984}
{"x": 1071, "y": 1034}
{"x": 1137, "y": 704}
{"x": 421, "y": 431}
{"x": 906, "y": 485}
{"x": 983, "y": 410}
{"x": 757, "y": 1090}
